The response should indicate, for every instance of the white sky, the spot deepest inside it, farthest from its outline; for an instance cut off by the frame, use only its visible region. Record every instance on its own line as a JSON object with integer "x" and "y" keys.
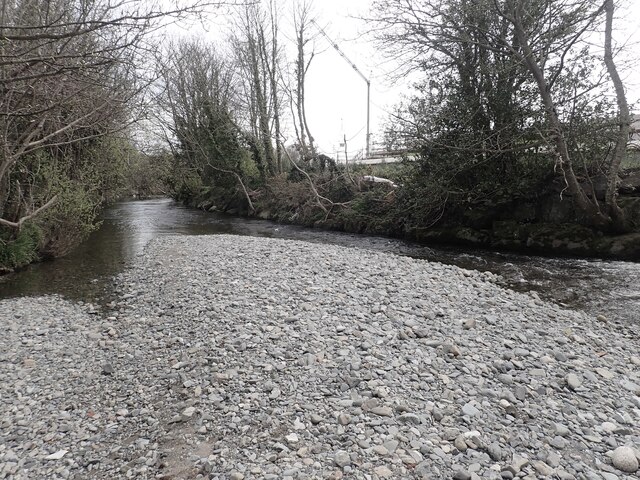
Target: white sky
{"x": 336, "y": 94}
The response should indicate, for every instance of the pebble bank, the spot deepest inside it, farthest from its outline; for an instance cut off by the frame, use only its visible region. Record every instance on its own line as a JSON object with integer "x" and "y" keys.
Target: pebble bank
{"x": 230, "y": 357}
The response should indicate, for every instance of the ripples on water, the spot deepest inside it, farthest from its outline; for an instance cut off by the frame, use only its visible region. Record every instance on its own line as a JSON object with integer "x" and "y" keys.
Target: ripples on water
{"x": 608, "y": 287}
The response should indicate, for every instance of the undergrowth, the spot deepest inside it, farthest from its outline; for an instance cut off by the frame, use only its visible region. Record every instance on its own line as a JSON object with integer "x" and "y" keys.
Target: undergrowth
{"x": 19, "y": 250}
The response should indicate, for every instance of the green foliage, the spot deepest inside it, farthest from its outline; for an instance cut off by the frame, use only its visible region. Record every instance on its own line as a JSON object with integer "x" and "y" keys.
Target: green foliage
{"x": 73, "y": 217}
{"x": 185, "y": 185}
{"x": 82, "y": 177}
{"x": 149, "y": 175}
{"x": 208, "y": 143}
{"x": 247, "y": 167}
{"x": 21, "y": 249}
{"x": 105, "y": 167}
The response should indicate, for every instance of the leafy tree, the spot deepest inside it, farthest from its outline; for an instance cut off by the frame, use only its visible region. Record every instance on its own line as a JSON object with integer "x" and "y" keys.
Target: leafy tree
{"x": 256, "y": 52}
{"x": 505, "y": 91}
{"x": 552, "y": 29}
{"x": 69, "y": 73}
{"x": 200, "y": 119}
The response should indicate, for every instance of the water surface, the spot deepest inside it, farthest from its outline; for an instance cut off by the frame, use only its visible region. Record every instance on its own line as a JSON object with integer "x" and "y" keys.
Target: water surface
{"x": 604, "y": 287}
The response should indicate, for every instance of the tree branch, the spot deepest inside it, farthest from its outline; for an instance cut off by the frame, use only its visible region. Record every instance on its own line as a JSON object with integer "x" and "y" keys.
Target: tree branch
{"x": 18, "y": 225}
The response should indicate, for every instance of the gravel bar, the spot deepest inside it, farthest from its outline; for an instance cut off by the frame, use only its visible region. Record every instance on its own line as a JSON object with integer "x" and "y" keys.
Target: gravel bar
{"x": 230, "y": 357}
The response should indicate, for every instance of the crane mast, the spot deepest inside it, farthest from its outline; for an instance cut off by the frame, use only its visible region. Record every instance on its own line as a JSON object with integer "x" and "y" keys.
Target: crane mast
{"x": 353, "y": 65}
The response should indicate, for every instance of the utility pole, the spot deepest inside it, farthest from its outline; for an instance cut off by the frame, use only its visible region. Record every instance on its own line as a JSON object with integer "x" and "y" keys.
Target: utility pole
{"x": 346, "y": 157}
{"x": 353, "y": 65}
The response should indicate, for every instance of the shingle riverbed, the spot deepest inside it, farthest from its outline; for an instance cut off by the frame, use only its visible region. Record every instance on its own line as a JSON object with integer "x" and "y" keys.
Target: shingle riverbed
{"x": 238, "y": 358}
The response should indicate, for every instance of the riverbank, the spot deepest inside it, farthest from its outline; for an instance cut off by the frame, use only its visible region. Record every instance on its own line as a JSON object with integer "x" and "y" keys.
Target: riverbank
{"x": 545, "y": 223}
{"x": 239, "y": 357}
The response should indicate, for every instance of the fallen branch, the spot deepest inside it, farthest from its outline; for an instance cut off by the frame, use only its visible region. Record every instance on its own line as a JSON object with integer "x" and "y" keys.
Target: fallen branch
{"x": 244, "y": 188}
{"x": 313, "y": 187}
{"x": 371, "y": 178}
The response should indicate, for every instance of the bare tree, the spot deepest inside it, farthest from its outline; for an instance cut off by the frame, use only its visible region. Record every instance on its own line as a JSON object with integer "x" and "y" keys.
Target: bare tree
{"x": 567, "y": 22}
{"x": 526, "y": 74}
{"x": 197, "y": 100}
{"x": 274, "y": 72}
{"x": 70, "y": 71}
{"x": 303, "y": 20}
{"x": 257, "y": 51}
{"x": 624, "y": 119}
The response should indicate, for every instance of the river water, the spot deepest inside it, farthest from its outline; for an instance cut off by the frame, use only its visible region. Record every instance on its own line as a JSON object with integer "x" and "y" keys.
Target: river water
{"x": 610, "y": 288}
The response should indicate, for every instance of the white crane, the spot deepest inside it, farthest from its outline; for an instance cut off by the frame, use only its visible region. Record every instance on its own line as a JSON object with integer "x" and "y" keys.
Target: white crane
{"x": 353, "y": 65}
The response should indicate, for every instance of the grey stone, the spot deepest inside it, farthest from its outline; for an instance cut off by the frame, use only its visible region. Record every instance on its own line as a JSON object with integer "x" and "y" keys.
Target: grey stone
{"x": 342, "y": 458}
{"x": 381, "y": 450}
{"x": 518, "y": 463}
{"x": 558, "y": 442}
{"x": 460, "y": 443}
{"x": 382, "y": 411}
{"x": 344, "y": 419}
{"x": 409, "y": 418}
{"x": 560, "y": 356}
{"x": 315, "y": 418}
{"x": 107, "y": 369}
{"x": 543, "y": 469}
{"x": 391, "y": 445}
{"x": 462, "y": 475}
{"x": 553, "y": 460}
{"x": 625, "y": 460}
{"x": 469, "y": 409}
{"x": 292, "y": 438}
{"x": 383, "y": 471}
{"x": 495, "y": 452}
{"x": 609, "y": 476}
{"x": 631, "y": 386}
{"x": 573, "y": 381}
{"x": 188, "y": 412}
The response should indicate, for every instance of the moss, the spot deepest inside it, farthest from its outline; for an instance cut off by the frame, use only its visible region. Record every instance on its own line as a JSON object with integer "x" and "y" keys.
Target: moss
{"x": 621, "y": 246}
{"x": 21, "y": 250}
{"x": 631, "y": 208}
{"x": 510, "y": 231}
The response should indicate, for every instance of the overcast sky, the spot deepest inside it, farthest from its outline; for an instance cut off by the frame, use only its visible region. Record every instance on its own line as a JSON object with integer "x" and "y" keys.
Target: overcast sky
{"x": 336, "y": 94}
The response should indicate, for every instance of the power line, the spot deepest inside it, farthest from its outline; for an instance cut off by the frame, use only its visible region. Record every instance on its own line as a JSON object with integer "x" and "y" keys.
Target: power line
{"x": 353, "y": 65}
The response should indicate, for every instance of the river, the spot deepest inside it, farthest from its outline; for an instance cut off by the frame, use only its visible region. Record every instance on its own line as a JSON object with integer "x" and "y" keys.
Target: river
{"x": 610, "y": 288}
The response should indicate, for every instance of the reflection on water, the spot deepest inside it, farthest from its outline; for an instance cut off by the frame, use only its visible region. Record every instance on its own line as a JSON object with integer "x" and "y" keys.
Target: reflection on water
{"x": 611, "y": 288}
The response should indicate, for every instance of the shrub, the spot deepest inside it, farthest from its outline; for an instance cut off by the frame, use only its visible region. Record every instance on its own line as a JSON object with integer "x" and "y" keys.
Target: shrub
{"x": 21, "y": 249}
{"x": 72, "y": 218}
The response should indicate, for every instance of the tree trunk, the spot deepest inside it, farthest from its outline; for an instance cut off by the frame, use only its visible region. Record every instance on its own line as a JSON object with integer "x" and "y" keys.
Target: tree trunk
{"x": 624, "y": 120}
{"x": 589, "y": 207}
